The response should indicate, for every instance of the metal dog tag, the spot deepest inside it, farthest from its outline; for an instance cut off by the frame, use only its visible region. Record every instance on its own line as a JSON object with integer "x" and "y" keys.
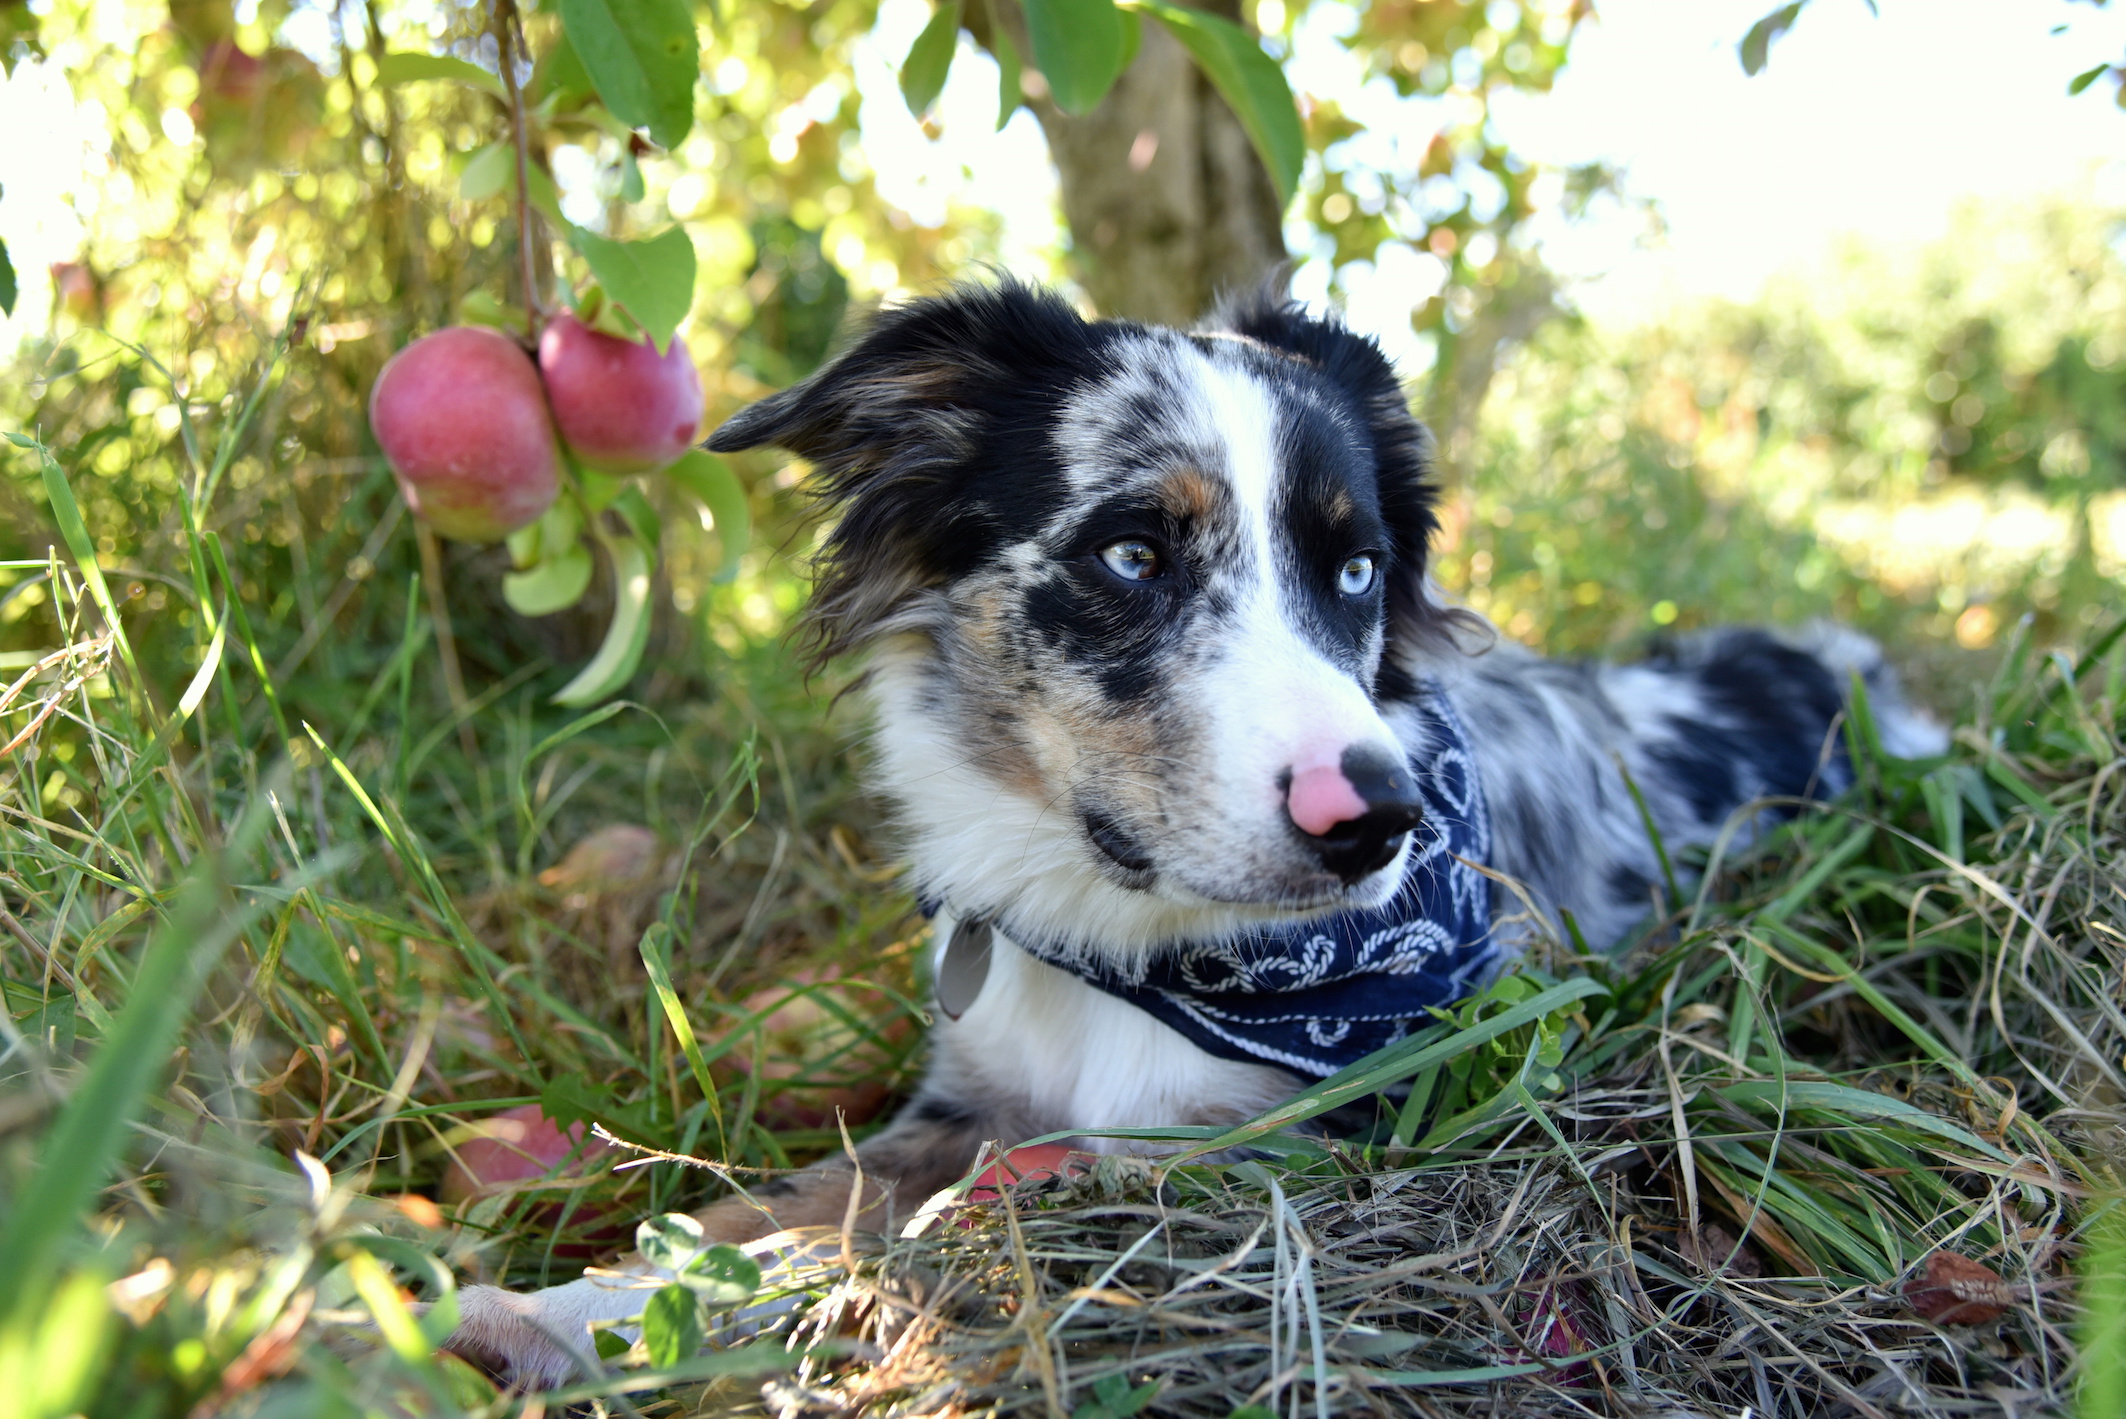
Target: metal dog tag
{"x": 964, "y": 967}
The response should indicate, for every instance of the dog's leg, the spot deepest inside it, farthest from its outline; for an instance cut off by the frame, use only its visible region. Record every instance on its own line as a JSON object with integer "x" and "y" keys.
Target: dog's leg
{"x": 541, "y": 1340}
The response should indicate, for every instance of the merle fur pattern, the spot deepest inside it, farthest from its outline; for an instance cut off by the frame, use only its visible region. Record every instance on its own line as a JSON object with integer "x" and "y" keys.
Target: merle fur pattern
{"x": 1074, "y": 749}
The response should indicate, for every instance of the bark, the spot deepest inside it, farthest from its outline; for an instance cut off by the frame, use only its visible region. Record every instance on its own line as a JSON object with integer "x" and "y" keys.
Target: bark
{"x": 1168, "y": 205}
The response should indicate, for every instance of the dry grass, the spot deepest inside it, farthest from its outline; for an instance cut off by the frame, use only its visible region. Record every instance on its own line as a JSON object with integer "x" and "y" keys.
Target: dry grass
{"x": 258, "y": 1002}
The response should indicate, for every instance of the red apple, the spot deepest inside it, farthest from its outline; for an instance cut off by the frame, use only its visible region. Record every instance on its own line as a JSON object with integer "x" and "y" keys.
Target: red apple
{"x": 519, "y": 1146}
{"x": 522, "y": 1150}
{"x": 77, "y": 291}
{"x": 463, "y": 420}
{"x": 1033, "y": 1164}
{"x": 610, "y": 858}
{"x": 232, "y": 83}
{"x": 622, "y": 407}
{"x": 254, "y": 108}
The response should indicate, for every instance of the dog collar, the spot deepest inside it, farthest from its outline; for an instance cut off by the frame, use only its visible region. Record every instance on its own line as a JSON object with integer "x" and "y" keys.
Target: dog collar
{"x": 1322, "y": 994}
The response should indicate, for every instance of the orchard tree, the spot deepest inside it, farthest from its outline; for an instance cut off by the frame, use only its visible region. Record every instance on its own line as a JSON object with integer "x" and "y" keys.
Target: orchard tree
{"x": 1188, "y": 168}
{"x": 293, "y": 191}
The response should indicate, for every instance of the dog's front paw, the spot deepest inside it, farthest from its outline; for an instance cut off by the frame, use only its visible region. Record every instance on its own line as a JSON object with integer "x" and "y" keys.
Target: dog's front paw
{"x": 509, "y": 1336}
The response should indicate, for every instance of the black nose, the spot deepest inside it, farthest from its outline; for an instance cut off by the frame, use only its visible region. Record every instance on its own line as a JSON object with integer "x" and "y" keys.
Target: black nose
{"x": 1361, "y": 846}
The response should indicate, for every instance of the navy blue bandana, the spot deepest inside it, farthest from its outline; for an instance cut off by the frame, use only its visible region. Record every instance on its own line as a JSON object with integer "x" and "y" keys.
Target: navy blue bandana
{"x": 1318, "y": 996}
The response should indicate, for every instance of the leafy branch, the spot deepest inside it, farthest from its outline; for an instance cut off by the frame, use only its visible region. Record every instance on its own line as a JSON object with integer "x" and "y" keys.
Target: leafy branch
{"x": 509, "y": 42}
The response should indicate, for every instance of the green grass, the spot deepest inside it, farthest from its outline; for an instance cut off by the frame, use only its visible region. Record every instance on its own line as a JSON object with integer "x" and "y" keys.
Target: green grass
{"x": 277, "y": 942}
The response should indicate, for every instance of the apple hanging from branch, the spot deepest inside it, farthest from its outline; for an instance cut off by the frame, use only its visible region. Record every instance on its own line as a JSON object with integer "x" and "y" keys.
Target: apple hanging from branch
{"x": 612, "y": 377}
{"x": 623, "y": 407}
{"x": 462, "y": 418}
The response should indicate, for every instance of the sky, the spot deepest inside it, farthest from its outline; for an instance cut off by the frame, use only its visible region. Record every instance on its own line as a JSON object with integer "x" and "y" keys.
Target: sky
{"x": 1875, "y": 125}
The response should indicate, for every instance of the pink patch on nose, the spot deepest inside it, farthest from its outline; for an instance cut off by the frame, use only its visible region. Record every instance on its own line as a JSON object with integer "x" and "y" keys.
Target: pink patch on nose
{"x": 1321, "y": 798}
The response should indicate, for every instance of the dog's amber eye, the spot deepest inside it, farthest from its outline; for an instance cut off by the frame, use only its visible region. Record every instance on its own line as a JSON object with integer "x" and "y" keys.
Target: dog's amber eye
{"x": 1132, "y": 560}
{"x": 1356, "y": 578}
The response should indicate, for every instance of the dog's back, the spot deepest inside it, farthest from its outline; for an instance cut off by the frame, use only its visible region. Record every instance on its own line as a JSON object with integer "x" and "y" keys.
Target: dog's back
{"x": 1705, "y": 725}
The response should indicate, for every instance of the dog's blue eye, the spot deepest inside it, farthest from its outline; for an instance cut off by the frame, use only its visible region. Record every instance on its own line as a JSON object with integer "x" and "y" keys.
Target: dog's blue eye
{"x": 1356, "y": 579}
{"x": 1132, "y": 560}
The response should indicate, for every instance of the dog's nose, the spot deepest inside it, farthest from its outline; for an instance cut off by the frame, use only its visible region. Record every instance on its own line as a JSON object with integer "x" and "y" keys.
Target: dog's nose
{"x": 1355, "y": 812}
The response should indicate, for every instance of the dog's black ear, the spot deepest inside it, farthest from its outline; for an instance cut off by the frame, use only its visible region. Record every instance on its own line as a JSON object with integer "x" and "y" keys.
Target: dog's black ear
{"x": 1403, "y": 449}
{"x": 894, "y": 427}
{"x": 910, "y": 364}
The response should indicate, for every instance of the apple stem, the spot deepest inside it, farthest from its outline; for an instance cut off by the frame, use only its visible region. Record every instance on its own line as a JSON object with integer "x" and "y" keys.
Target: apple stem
{"x": 507, "y": 27}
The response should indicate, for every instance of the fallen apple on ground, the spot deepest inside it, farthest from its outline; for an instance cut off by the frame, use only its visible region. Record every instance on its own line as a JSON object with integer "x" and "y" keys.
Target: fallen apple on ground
{"x": 622, "y": 408}
{"x": 463, "y": 421}
{"x": 522, "y": 1146}
{"x": 1033, "y": 1164}
{"x": 616, "y": 856}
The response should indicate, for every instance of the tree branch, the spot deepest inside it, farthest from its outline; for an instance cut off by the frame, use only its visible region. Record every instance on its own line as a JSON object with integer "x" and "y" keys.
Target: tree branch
{"x": 509, "y": 40}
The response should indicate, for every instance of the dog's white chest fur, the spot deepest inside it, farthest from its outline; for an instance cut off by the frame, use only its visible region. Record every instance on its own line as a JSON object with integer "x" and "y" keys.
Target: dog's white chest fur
{"x": 1074, "y": 1057}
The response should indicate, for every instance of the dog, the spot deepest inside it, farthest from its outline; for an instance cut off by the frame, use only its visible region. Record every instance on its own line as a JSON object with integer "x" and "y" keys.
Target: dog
{"x": 1207, "y": 785}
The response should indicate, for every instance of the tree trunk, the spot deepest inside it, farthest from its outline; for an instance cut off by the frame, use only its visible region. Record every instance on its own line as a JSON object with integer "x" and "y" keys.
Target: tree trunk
{"x": 1169, "y": 207}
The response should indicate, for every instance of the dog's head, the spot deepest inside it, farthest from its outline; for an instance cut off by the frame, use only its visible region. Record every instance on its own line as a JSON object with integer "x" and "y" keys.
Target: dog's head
{"x": 1131, "y": 595}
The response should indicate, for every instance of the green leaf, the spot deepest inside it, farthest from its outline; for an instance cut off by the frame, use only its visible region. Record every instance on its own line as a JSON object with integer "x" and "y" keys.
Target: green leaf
{"x": 489, "y": 171}
{"x": 671, "y": 1327}
{"x": 559, "y": 76}
{"x": 8, "y": 290}
{"x": 722, "y": 1276}
{"x": 656, "y": 962}
{"x": 1129, "y": 1401}
{"x": 670, "y": 1241}
{"x": 653, "y": 278}
{"x": 1756, "y": 46}
{"x": 639, "y": 514}
{"x": 553, "y": 585}
{"x": 1249, "y": 81}
{"x": 2087, "y": 77}
{"x": 1009, "y": 92}
{"x": 598, "y": 489}
{"x": 644, "y": 56}
{"x": 1079, "y": 46}
{"x": 554, "y": 533}
{"x": 403, "y": 67}
{"x": 485, "y": 308}
{"x": 523, "y": 547}
{"x": 711, "y": 480}
{"x": 930, "y": 58}
{"x": 631, "y": 188}
{"x": 608, "y": 1345}
{"x": 544, "y": 195}
{"x": 621, "y": 652}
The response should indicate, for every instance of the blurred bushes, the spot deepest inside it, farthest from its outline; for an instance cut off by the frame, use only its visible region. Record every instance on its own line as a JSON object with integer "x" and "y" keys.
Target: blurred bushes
{"x": 1928, "y": 444}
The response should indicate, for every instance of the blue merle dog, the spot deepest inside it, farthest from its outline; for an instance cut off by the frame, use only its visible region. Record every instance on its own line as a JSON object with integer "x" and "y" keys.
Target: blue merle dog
{"x": 1208, "y": 787}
